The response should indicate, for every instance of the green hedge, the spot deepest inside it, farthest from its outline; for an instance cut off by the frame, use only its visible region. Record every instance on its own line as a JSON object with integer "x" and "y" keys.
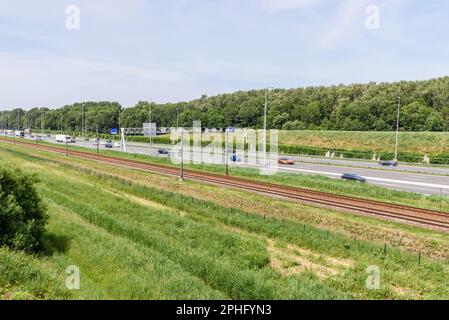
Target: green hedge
{"x": 368, "y": 155}
{"x": 297, "y": 150}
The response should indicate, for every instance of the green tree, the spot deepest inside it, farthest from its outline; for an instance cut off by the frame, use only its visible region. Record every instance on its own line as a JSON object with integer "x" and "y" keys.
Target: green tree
{"x": 22, "y": 213}
{"x": 414, "y": 116}
{"x": 434, "y": 122}
{"x": 280, "y": 120}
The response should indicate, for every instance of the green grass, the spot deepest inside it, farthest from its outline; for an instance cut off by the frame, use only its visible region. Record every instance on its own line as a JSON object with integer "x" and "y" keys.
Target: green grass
{"x": 140, "y": 242}
{"x": 380, "y": 142}
{"x": 312, "y": 182}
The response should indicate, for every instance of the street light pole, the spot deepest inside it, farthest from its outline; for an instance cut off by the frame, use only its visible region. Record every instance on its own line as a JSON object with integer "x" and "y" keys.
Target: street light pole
{"x": 397, "y": 131}
{"x": 66, "y": 145}
{"x": 18, "y": 119}
{"x": 98, "y": 142}
{"x": 119, "y": 122}
{"x": 227, "y": 151}
{"x": 182, "y": 155}
{"x": 265, "y": 127}
{"x": 150, "y": 126}
{"x": 177, "y": 119}
{"x": 82, "y": 120}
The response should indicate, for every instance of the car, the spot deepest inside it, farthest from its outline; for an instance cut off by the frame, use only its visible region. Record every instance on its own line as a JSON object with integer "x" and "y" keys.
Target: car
{"x": 234, "y": 158}
{"x": 162, "y": 151}
{"x": 286, "y": 161}
{"x": 388, "y": 163}
{"x": 108, "y": 141}
{"x": 117, "y": 144}
{"x": 353, "y": 177}
{"x": 95, "y": 143}
{"x": 108, "y": 145}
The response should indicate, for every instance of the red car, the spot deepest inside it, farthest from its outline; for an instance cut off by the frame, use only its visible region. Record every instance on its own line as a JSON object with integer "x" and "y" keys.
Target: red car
{"x": 286, "y": 161}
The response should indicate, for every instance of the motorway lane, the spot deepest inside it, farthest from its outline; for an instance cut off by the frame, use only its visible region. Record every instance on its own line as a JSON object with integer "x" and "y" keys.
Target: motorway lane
{"x": 424, "y": 168}
{"x": 413, "y": 182}
{"x": 394, "y": 178}
{"x": 142, "y": 148}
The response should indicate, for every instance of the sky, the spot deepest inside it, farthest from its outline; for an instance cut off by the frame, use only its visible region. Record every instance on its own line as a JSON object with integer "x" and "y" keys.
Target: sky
{"x": 177, "y": 50}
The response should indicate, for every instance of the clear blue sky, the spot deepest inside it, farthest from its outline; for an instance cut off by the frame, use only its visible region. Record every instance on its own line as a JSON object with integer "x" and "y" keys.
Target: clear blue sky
{"x": 173, "y": 50}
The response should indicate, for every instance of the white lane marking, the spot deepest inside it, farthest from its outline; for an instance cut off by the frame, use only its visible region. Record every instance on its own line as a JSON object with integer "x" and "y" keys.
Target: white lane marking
{"x": 413, "y": 183}
{"x": 409, "y": 188}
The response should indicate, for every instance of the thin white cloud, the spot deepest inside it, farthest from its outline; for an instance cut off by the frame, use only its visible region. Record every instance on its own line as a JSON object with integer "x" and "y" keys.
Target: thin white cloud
{"x": 350, "y": 18}
{"x": 178, "y": 49}
{"x": 288, "y": 4}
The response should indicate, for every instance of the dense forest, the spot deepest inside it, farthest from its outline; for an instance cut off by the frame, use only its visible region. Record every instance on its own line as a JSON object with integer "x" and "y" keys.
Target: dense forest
{"x": 357, "y": 107}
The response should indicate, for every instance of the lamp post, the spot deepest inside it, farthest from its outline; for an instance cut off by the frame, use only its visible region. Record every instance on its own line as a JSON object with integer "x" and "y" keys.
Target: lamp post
{"x": 227, "y": 151}
{"x": 265, "y": 126}
{"x": 42, "y": 127}
{"x": 181, "y": 177}
{"x": 98, "y": 142}
{"x": 177, "y": 119}
{"x": 149, "y": 124}
{"x": 397, "y": 131}
{"x": 82, "y": 120}
{"x": 119, "y": 122}
{"x": 66, "y": 145}
{"x": 18, "y": 119}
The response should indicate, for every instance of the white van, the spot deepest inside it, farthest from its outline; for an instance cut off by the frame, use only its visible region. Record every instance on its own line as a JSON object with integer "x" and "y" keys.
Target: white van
{"x": 62, "y": 138}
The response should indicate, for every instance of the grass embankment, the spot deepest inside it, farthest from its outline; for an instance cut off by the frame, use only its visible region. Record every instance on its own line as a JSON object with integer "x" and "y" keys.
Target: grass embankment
{"x": 348, "y": 144}
{"x": 364, "y": 145}
{"x": 413, "y": 142}
{"x": 146, "y": 237}
{"x": 312, "y": 182}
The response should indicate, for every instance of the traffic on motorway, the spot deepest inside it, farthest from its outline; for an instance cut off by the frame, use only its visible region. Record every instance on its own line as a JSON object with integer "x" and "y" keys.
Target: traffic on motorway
{"x": 389, "y": 174}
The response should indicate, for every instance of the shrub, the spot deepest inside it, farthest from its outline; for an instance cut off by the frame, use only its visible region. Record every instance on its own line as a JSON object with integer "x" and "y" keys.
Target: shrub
{"x": 22, "y": 213}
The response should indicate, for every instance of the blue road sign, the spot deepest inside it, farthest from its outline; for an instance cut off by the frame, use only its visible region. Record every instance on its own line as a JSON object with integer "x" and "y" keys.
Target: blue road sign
{"x": 114, "y": 131}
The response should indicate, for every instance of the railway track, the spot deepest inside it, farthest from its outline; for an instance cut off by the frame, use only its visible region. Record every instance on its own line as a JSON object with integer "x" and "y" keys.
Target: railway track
{"x": 402, "y": 213}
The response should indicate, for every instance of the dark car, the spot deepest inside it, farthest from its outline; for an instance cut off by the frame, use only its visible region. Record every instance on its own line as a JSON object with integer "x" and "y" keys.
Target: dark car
{"x": 353, "y": 177}
{"x": 234, "y": 158}
{"x": 108, "y": 145}
{"x": 389, "y": 163}
{"x": 162, "y": 151}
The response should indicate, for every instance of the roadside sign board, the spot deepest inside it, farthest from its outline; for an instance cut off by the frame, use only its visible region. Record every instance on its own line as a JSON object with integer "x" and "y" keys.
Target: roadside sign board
{"x": 114, "y": 131}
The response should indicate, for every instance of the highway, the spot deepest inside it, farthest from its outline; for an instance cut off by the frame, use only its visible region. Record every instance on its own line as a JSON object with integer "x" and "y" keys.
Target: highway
{"x": 413, "y": 178}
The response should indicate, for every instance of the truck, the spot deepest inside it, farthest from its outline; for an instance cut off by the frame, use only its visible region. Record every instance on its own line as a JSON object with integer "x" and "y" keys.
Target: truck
{"x": 62, "y": 138}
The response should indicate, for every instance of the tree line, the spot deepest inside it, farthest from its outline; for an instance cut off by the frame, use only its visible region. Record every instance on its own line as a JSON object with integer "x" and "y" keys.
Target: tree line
{"x": 356, "y": 107}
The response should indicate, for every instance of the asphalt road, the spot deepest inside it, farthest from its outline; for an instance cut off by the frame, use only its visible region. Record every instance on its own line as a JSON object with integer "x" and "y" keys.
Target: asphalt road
{"x": 414, "y": 178}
